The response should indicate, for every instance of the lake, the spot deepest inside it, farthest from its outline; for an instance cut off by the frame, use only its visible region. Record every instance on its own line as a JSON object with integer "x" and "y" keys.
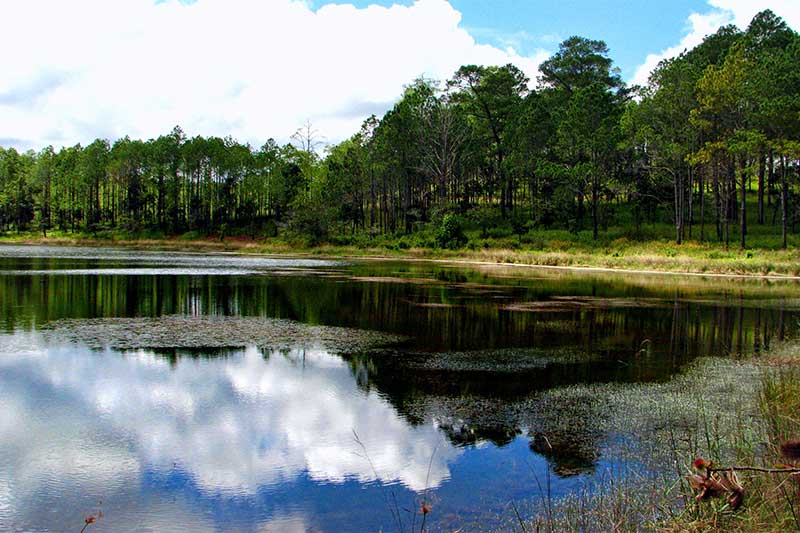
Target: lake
{"x": 186, "y": 392}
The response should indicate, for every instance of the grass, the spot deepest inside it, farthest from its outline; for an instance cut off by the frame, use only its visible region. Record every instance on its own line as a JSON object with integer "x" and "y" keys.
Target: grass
{"x": 488, "y": 237}
{"x": 733, "y": 413}
{"x": 555, "y": 248}
{"x": 772, "y": 499}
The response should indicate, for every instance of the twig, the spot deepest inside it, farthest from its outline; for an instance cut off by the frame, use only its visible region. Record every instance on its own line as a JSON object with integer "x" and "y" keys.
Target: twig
{"x": 754, "y": 469}
{"x": 541, "y": 490}
{"x": 397, "y": 516}
{"x": 549, "y": 491}
{"x": 791, "y": 506}
{"x": 516, "y": 512}
{"x": 425, "y": 510}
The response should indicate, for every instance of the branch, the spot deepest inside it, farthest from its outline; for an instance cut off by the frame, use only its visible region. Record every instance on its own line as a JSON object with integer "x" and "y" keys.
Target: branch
{"x": 755, "y": 469}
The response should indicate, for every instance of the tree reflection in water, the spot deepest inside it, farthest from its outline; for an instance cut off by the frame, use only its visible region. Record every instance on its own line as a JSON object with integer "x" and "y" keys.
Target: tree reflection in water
{"x": 264, "y": 438}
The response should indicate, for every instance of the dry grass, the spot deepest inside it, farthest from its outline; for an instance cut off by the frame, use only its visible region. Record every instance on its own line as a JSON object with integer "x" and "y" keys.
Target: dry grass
{"x": 618, "y": 254}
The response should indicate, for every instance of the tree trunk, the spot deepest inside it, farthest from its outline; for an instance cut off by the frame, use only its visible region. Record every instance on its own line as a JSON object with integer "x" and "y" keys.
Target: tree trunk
{"x": 733, "y": 205}
{"x": 691, "y": 201}
{"x": 595, "y": 200}
{"x": 770, "y": 176}
{"x": 677, "y": 183}
{"x": 762, "y": 167}
{"x": 702, "y": 207}
{"x": 372, "y": 198}
{"x": 784, "y": 200}
{"x": 501, "y": 174}
{"x": 743, "y": 207}
{"x": 717, "y": 203}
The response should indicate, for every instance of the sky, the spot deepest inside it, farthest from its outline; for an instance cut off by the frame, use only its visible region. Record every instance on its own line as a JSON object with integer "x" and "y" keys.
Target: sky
{"x": 74, "y": 71}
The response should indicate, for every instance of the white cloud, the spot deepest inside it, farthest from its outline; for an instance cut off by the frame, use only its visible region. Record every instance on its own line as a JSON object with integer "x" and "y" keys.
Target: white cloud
{"x": 251, "y": 69}
{"x": 723, "y": 12}
{"x": 252, "y": 424}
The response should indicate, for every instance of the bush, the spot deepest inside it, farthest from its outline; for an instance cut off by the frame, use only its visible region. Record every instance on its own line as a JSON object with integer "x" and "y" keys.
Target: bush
{"x": 501, "y": 232}
{"x": 270, "y": 229}
{"x": 485, "y": 218}
{"x": 450, "y": 233}
{"x": 310, "y": 224}
{"x": 534, "y": 240}
{"x": 193, "y": 235}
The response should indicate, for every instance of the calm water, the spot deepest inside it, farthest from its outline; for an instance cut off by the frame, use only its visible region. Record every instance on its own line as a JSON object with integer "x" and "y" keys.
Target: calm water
{"x": 312, "y": 430}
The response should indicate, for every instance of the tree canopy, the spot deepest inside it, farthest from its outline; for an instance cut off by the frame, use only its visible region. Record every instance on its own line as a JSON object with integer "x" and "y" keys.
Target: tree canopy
{"x": 576, "y": 149}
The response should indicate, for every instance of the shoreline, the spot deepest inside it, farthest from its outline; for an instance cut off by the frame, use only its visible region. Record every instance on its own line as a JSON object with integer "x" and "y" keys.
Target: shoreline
{"x": 521, "y": 259}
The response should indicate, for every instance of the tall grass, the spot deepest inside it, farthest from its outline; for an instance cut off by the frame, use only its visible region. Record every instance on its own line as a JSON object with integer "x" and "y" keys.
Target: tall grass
{"x": 772, "y": 497}
{"x": 734, "y": 414}
{"x": 779, "y": 402}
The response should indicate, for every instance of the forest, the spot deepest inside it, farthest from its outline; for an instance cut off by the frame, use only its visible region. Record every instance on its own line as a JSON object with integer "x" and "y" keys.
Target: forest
{"x": 709, "y": 150}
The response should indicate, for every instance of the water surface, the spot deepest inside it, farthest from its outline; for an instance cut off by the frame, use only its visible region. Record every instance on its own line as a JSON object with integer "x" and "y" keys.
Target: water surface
{"x": 176, "y": 391}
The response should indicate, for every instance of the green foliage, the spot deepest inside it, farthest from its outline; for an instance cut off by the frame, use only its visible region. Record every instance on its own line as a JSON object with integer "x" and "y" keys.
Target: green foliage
{"x": 485, "y": 218}
{"x": 450, "y": 233}
{"x": 503, "y": 159}
{"x": 579, "y": 63}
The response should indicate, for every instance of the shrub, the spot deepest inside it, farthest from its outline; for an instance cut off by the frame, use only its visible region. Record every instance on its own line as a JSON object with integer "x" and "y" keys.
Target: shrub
{"x": 501, "y": 232}
{"x": 270, "y": 229}
{"x": 484, "y": 218}
{"x": 450, "y": 233}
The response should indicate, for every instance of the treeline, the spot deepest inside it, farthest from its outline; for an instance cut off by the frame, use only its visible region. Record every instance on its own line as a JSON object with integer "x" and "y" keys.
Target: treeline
{"x": 713, "y": 125}
{"x": 171, "y": 183}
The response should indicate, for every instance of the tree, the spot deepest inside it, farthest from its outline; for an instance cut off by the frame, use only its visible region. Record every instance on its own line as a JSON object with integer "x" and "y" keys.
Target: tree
{"x": 588, "y": 135}
{"x": 94, "y": 173}
{"x": 443, "y": 134}
{"x": 492, "y": 96}
{"x": 579, "y": 63}
{"x": 43, "y": 183}
{"x": 662, "y": 125}
{"x": 307, "y": 137}
{"x": 586, "y": 93}
{"x": 16, "y": 202}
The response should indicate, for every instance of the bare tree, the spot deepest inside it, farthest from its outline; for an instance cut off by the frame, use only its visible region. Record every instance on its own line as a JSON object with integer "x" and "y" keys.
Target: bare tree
{"x": 308, "y": 138}
{"x": 444, "y": 135}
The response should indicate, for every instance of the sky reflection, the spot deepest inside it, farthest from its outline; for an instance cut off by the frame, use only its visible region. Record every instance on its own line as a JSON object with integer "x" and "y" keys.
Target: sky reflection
{"x": 99, "y": 424}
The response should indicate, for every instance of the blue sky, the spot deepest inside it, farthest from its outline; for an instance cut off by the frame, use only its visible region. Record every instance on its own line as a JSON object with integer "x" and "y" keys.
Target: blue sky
{"x": 259, "y": 69}
{"x": 631, "y": 28}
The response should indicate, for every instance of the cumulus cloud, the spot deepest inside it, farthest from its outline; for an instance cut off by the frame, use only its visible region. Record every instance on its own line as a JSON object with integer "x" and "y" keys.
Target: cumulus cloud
{"x": 253, "y": 70}
{"x": 255, "y": 423}
{"x": 723, "y": 12}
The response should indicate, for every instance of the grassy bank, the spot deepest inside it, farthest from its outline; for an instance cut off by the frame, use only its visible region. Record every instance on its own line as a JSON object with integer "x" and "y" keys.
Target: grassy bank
{"x": 553, "y": 248}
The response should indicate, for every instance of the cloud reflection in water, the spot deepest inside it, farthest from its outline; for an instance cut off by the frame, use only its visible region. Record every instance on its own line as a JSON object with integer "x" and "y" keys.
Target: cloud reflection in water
{"x": 77, "y": 421}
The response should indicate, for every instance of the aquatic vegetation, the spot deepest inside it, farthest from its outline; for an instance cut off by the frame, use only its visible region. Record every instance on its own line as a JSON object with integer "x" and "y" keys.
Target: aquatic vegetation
{"x": 738, "y": 413}
{"x": 649, "y": 431}
{"x": 499, "y": 360}
{"x": 210, "y": 332}
{"x": 572, "y": 303}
